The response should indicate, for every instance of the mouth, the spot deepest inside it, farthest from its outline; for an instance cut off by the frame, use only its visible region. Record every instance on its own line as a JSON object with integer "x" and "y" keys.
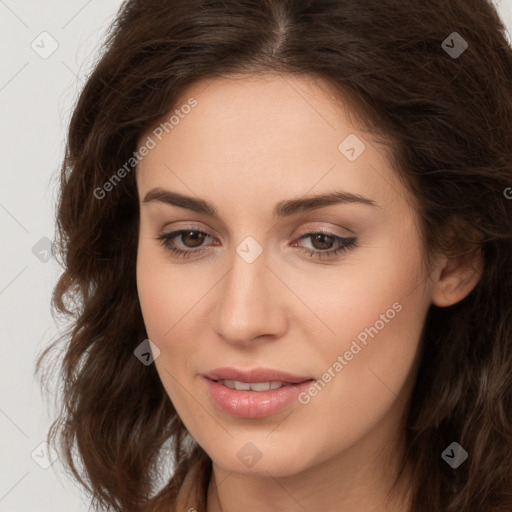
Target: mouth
{"x": 261, "y": 395}
{"x": 253, "y": 386}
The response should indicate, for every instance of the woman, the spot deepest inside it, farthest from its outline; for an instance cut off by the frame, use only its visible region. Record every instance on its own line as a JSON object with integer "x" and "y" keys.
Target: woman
{"x": 286, "y": 227}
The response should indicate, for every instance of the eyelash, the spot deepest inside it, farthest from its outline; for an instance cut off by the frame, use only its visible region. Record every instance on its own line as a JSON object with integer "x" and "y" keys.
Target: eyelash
{"x": 346, "y": 244}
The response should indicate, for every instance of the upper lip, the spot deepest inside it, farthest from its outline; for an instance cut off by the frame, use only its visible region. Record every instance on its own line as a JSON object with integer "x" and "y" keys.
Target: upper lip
{"x": 254, "y": 375}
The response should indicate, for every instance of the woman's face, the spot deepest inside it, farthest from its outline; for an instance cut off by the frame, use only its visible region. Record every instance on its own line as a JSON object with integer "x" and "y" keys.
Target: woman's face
{"x": 329, "y": 291}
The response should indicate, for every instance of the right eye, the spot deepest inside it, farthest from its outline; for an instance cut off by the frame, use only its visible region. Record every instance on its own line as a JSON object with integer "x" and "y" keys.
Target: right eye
{"x": 189, "y": 238}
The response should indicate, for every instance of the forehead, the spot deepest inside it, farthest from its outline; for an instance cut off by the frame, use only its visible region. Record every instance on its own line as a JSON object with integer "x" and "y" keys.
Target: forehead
{"x": 280, "y": 132}
{"x": 259, "y": 107}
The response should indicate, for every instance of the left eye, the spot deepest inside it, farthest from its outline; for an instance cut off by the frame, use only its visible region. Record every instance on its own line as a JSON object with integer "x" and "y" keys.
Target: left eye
{"x": 192, "y": 241}
{"x": 319, "y": 241}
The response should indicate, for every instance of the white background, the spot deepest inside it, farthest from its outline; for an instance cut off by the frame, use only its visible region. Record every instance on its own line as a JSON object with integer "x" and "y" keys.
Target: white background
{"x": 36, "y": 97}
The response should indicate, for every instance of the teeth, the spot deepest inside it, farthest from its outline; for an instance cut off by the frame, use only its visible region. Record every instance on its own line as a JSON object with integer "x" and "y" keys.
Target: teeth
{"x": 252, "y": 386}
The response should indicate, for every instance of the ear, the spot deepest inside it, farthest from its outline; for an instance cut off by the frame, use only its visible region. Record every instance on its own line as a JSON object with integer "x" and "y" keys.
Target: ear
{"x": 455, "y": 277}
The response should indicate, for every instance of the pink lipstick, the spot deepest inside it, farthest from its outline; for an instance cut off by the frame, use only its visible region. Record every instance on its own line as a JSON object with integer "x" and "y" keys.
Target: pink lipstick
{"x": 255, "y": 393}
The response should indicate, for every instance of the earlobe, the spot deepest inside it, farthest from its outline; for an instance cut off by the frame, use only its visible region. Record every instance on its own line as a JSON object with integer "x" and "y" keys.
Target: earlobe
{"x": 456, "y": 278}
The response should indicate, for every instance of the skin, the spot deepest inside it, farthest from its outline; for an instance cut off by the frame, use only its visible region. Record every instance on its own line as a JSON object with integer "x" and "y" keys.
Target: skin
{"x": 250, "y": 143}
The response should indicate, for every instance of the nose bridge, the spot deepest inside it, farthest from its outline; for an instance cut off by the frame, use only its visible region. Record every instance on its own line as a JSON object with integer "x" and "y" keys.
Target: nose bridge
{"x": 245, "y": 286}
{"x": 247, "y": 306}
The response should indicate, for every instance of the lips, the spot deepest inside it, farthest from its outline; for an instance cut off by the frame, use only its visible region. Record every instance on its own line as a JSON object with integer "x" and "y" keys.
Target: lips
{"x": 243, "y": 393}
{"x": 255, "y": 375}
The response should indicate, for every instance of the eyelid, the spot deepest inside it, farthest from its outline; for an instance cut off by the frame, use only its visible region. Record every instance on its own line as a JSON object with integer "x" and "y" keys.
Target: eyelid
{"x": 310, "y": 228}
{"x": 169, "y": 228}
{"x": 326, "y": 231}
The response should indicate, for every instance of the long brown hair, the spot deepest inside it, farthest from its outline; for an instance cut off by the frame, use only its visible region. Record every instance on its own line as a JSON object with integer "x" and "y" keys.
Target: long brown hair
{"x": 443, "y": 108}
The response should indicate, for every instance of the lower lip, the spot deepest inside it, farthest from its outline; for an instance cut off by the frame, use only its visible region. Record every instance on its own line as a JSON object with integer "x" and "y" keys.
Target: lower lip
{"x": 254, "y": 404}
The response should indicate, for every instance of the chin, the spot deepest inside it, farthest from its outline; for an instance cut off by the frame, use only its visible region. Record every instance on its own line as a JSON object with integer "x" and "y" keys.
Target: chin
{"x": 249, "y": 460}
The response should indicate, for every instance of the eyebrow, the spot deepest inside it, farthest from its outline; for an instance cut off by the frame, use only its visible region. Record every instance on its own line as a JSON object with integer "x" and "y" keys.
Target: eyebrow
{"x": 282, "y": 209}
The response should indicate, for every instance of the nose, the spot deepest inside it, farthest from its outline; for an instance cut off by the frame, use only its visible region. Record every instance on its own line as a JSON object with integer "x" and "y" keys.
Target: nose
{"x": 251, "y": 303}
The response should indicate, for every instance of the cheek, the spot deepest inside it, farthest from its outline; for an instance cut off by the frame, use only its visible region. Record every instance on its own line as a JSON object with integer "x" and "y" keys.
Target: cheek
{"x": 366, "y": 389}
{"x": 165, "y": 297}
{"x": 155, "y": 296}
{"x": 170, "y": 297}
{"x": 372, "y": 314}
{"x": 370, "y": 340}
{"x": 377, "y": 293}
{"x": 166, "y": 292}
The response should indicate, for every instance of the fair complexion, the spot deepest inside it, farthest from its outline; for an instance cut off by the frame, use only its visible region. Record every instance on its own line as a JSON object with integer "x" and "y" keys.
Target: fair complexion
{"x": 250, "y": 144}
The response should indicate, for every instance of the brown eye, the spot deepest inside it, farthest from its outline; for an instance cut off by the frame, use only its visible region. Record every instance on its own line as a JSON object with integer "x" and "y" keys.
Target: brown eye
{"x": 184, "y": 242}
{"x": 323, "y": 245}
{"x": 321, "y": 241}
{"x": 195, "y": 238}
